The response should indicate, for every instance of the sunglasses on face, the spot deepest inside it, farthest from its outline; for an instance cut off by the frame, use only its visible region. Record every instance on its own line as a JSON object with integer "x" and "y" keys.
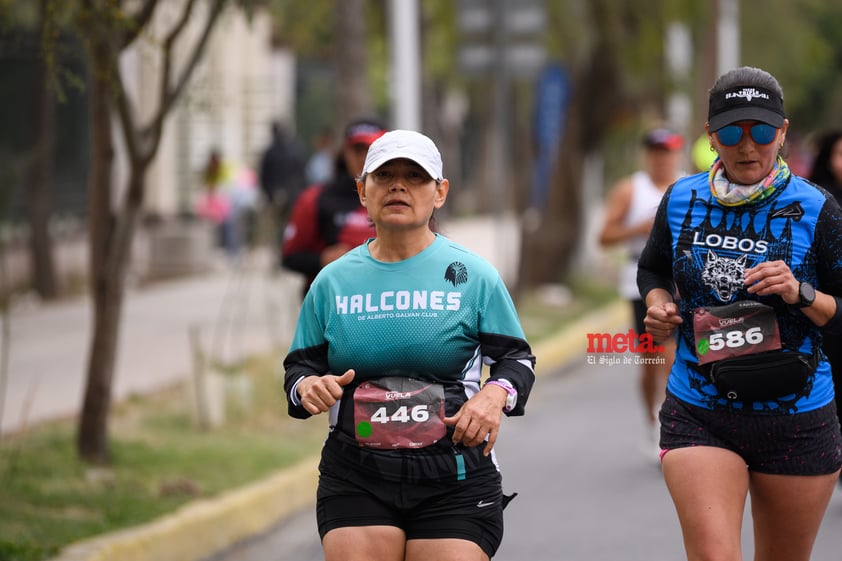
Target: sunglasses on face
{"x": 761, "y": 133}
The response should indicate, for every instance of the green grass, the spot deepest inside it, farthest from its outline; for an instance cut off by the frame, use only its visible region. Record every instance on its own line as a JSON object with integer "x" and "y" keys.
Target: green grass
{"x": 542, "y": 317}
{"x": 161, "y": 460}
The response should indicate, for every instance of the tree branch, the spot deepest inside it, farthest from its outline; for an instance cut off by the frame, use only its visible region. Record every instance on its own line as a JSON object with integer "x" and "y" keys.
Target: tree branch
{"x": 138, "y": 22}
{"x": 169, "y": 94}
{"x": 126, "y": 113}
{"x": 102, "y": 32}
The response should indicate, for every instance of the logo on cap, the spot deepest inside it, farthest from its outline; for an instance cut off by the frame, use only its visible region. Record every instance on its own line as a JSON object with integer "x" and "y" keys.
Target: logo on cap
{"x": 747, "y": 94}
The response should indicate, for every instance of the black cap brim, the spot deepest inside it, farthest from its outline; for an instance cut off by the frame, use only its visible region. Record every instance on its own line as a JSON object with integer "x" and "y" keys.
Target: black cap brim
{"x": 746, "y": 114}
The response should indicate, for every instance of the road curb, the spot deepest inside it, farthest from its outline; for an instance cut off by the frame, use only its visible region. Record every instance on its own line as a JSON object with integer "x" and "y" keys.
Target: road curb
{"x": 572, "y": 341}
{"x": 202, "y": 528}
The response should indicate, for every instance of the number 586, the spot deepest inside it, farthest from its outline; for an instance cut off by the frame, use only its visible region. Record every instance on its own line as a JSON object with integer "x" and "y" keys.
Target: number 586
{"x": 735, "y": 339}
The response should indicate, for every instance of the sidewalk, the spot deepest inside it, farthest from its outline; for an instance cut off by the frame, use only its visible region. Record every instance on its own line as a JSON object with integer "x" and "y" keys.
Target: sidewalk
{"x": 234, "y": 312}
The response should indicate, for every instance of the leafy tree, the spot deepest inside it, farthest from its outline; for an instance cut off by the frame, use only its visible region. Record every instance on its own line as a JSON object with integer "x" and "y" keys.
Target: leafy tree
{"x": 800, "y": 43}
{"x": 614, "y": 55}
{"x": 108, "y": 27}
{"x": 333, "y": 35}
{"x": 614, "y": 51}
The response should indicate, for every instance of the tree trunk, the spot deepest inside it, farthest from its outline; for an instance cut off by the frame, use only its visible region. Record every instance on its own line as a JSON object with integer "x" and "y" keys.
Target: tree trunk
{"x": 108, "y": 306}
{"x": 550, "y": 247}
{"x": 111, "y": 239}
{"x": 92, "y": 440}
{"x": 111, "y": 233}
{"x": 40, "y": 178}
{"x": 351, "y": 59}
{"x": 93, "y": 424}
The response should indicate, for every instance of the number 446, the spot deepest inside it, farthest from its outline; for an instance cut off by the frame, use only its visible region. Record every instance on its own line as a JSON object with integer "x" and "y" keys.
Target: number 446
{"x": 404, "y": 414}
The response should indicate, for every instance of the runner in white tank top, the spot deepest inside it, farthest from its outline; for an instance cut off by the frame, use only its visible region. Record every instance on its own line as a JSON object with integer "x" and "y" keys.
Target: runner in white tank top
{"x": 645, "y": 197}
{"x": 630, "y": 211}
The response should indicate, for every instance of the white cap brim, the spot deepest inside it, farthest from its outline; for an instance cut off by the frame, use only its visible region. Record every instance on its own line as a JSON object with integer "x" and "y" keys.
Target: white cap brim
{"x": 407, "y": 144}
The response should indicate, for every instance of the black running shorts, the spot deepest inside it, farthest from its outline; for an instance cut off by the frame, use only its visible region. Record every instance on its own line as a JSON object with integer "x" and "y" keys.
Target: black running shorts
{"x": 471, "y": 509}
{"x": 784, "y": 444}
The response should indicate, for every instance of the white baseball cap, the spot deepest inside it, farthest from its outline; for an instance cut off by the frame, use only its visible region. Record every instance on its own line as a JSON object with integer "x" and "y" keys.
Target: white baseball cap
{"x": 407, "y": 144}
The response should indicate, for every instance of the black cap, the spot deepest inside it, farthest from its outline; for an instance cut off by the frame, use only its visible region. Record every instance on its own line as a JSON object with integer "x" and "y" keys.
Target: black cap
{"x": 745, "y": 103}
{"x": 664, "y": 138}
{"x": 364, "y": 130}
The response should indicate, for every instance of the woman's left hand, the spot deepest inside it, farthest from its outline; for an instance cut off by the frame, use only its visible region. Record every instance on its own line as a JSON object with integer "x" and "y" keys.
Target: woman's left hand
{"x": 772, "y": 277}
{"x": 479, "y": 417}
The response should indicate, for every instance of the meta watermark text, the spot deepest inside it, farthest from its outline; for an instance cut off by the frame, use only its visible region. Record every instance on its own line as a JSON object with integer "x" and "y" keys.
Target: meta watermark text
{"x": 606, "y": 348}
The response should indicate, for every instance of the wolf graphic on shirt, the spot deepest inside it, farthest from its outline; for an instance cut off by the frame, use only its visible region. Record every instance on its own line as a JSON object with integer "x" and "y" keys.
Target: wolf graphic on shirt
{"x": 723, "y": 275}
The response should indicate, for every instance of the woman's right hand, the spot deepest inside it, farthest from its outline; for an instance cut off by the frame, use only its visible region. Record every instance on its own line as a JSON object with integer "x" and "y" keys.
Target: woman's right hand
{"x": 320, "y": 393}
{"x": 661, "y": 320}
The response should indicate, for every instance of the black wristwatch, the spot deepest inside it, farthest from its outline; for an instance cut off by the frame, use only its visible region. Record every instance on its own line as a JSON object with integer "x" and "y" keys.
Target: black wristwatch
{"x": 806, "y": 295}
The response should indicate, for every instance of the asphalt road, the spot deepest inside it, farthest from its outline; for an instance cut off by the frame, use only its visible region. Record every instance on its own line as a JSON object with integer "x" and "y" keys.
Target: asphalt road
{"x": 586, "y": 491}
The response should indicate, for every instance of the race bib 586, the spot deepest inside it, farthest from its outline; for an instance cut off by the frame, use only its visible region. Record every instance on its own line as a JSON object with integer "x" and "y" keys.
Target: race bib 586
{"x": 742, "y": 328}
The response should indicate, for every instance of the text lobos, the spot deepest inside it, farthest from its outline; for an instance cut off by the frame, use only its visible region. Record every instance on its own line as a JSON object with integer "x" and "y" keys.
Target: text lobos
{"x": 745, "y": 245}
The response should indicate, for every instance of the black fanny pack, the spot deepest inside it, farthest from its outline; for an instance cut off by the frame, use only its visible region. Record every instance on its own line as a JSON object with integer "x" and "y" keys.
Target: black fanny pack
{"x": 761, "y": 376}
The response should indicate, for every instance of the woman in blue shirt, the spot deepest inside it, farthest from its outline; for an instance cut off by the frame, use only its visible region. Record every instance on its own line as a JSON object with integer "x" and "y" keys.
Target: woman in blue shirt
{"x": 743, "y": 267}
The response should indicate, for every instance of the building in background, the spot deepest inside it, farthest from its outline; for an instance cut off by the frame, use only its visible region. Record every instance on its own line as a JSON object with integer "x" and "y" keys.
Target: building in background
{"x": 242, "y": 84}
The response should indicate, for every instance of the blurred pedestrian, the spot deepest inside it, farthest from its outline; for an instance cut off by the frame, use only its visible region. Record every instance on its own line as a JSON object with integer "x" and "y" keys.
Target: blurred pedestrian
{"x": 229, "y": 200}
{"x": 630, "y": 211}
{"x": 327, "y": 219}
{"x": 282, "y": 177}
{"x": 214, "y": 203}
{"x": 743, "y": 266}
{"x": 826, "y": 169}
{"x": 320, "y": 163}
{"x": 827, "y": 172}
{"x": 390, "y": 342}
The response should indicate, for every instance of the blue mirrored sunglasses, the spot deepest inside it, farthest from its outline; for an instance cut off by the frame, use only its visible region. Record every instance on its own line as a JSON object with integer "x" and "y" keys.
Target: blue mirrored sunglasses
{"x": 761, "y": 133}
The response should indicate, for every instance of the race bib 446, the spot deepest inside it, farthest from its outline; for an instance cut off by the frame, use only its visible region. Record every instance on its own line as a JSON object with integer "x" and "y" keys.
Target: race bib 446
{"x": 395, "y": 412}
{"x": 738, "y": 329}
